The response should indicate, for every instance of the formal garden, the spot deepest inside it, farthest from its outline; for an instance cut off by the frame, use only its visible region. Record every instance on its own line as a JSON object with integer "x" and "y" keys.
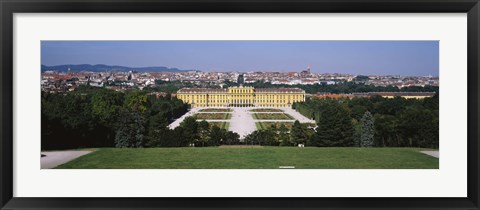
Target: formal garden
{"x": 278, "y": 125}
{"x": 213, "y": 116}
{"x": 265, "y": 110}
{"x": 215, "y": 110}
{"x": 272, "y": 116}
{"x": 222, "y": 125}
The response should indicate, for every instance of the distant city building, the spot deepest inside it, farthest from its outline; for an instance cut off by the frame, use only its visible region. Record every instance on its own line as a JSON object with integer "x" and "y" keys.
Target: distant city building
{"x": 407, "y": 95}
{"x": 241, "y": 97}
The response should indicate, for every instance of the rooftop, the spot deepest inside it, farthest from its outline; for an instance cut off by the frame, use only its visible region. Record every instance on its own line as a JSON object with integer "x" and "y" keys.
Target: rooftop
{"x": 257, "y": 90}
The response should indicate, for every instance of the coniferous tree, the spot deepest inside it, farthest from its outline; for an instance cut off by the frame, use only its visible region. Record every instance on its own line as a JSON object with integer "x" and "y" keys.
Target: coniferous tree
{"x": 131, "y": 131}
{"x": 298, "y": 133}
{"x": 204, "y": 133}
{"x": 357, "y": 133}
{"x": 335, "y": 128}
{"x": 216, "y": 136}
{"x": 190, "y": 130}
{"x": 368, "y": 130}
{"x": 158, "y": 132}
{"x": 283, "y": 136}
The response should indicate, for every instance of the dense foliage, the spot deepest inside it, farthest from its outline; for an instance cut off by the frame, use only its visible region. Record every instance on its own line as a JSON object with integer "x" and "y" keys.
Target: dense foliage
{"x": 282, "y": 136}
{"x": 395, "y": 122}
{"x": 98, "y": 117}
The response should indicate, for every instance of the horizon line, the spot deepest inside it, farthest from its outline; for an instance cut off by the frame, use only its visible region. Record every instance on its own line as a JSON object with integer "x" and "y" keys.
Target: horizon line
{"x": 243, "y": 71}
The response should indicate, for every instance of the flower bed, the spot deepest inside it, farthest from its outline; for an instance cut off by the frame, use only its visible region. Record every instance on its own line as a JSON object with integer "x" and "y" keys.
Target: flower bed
{"x": 213, "y": 116}
{"x": 272, "y": 116}
{"x": 222, "y": 125}
{"x": 215, "y": 110}
{"x": 288, "y": 125}
{"x": 266, "y": 110}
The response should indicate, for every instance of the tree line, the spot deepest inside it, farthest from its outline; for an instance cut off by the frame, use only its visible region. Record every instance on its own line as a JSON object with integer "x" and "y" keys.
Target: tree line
{"x": 341, "y": 87}
{"x": 190, "y": 133}
{"x": 99, "y": 117}
{"x": 281, "y": 136}
{"x": 373, "y": 121}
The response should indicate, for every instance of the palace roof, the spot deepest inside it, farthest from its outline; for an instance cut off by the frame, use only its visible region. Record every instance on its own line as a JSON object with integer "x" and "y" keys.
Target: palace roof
{"x": 201, "y": 90}
{"x": 259, "y": 90}
{"x": 279, "y": 90}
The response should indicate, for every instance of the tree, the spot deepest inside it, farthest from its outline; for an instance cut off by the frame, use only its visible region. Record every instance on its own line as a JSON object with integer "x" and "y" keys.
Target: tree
{"x": 299, "y": 133}
{"x": 283, "y": 136}
{"x": 158, "y": 132}
{"x": 136, "y": 100}
{"x": 261, "y": 137}
{"x": 216, "y": 136}
{"x": 106, "y": 105}
{"x": 131, "y": 130}
{"x": 190, "y": 129}
{"x": 335, "y": 128}
{"x": 177, "y": 138}
{"x": 386, "y": 132}
{"x": 232, "y": 138}
{"x": 419, "y": 128}
{"x": 358, "y": 111}
{"x": 204, "y": 133}
{"x": 357, "y": 133}
{"x": 368, "y": 130}
{"x": 268, "y": 137}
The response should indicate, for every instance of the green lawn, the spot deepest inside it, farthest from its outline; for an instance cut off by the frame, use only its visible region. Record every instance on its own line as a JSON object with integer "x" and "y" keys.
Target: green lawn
{"x": 255, "y": 158}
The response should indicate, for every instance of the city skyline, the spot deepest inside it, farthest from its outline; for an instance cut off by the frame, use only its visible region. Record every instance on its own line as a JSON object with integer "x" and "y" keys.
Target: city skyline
{"x": 412, "y": 58}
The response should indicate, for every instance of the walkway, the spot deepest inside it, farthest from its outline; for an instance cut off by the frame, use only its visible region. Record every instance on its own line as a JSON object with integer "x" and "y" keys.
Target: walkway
{"x": 242, "y": 121}
{"x": 432, "y": 153}
{"x": 54, "y": 159}
{"x": 179, "y": 120}
{"x": 297, "y": 115}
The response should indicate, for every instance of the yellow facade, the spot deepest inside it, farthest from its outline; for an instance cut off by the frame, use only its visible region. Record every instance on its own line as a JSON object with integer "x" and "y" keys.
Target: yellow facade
{"x": 241, "y": 97}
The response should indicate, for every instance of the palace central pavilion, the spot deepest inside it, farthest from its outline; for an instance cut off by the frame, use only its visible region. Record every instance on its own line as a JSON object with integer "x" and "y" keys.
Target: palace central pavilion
{"x": 241, "y": 97}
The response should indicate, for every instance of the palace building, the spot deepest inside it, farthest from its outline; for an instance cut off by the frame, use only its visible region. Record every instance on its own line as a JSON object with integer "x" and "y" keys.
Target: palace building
{"x": 241, "y": 97}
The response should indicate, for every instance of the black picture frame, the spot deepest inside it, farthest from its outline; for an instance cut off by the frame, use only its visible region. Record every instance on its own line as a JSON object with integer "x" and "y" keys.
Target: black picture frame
{"x": 9, "y": 7}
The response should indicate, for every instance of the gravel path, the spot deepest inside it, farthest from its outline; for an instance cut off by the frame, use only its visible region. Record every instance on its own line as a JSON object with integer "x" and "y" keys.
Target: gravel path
{"x": 242, "y": 122}
{"x": 432, "y": 153}
{"x": 54, "y": 159}
{"x": 179, "y": 120}
{"x": 297, "y": 115}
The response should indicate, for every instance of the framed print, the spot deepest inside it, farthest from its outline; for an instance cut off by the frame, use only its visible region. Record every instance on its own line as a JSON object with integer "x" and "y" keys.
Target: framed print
{"x": 239, "y": 105}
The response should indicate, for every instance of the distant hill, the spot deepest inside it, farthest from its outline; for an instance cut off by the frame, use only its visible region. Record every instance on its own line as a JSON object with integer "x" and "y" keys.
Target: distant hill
{"x": 103, "y": 68}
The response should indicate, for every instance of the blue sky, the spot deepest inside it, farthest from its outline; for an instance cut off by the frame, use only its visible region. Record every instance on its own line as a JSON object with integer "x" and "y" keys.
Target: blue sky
{"x": 353, "y": 57}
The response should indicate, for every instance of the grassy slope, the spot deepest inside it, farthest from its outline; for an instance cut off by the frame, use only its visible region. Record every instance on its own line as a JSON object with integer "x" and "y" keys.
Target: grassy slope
{"x": 255, "y": 158}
